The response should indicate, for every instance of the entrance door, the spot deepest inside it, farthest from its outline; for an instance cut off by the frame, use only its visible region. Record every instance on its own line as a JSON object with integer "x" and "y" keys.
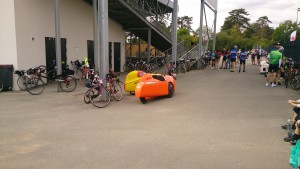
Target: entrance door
{"x": 117, "y": 56}
{"x": 91, "y": 59}
{"x": 90, "y": 46}
{"x": 51, "y": 52}
{"x": 110, "y": 54}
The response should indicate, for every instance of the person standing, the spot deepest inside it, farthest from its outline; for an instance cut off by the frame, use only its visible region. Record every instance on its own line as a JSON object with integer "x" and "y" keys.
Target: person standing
{"x": 275, "y": 62}
{"x": 281, "y": 69}
{"x": 258, "y": 55}
{"x": 243, "y": 57}
{"x": 213, "y": 59}
{"x": 233, "y": 53}
{"x": 224, "y": 58}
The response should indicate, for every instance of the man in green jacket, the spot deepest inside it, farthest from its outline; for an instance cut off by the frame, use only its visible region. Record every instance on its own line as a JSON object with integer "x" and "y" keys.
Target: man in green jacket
{"x": 274, "y": 58}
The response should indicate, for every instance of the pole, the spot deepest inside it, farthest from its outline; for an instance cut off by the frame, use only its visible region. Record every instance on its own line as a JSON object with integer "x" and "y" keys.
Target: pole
{"x": 215, "y": 31}
{"x": 200, "y": 34}
{"x": 57, "y": 38}
{"x": 96, "y": 37}
{"x": 103, "y": 36}
{"x": 149, "y": 46}
{"x": 174, "y": 31}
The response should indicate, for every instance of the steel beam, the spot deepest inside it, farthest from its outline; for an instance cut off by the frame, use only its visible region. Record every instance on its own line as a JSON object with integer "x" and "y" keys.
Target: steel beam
{"x": 57, "y": 38}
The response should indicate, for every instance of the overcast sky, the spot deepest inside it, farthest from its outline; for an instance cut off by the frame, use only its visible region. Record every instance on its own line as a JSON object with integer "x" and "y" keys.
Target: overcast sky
{"x": 276, "y": 10}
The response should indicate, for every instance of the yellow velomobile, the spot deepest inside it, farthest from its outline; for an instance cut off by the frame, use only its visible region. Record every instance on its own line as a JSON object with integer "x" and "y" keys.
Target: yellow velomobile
{"x": 131, "y": 80}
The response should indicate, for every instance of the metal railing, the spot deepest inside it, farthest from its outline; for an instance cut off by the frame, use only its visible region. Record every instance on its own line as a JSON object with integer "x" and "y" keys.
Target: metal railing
{"x": 150, "y": 15}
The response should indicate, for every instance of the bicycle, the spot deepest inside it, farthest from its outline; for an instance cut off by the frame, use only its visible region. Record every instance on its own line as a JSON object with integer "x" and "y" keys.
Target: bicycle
{"x": 83, "y": 73}
{"x": 34, "y": 83}
{"x": 113, "y": 86}
{"x": 97, "y": 94}
{"x": 171, "y": 69}
{"x": 180, "y": 66}
{"x": 66, "y": 81}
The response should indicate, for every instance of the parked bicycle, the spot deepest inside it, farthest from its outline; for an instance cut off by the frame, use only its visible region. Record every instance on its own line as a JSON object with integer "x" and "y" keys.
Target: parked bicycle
{"x": 180, "y": 66}
{"x": 171, "y": 69}
{"x": 83, "y": 73}
{"x": 101, "y": 90}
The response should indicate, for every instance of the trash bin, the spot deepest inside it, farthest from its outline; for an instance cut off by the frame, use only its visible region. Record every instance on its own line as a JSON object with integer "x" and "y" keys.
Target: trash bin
{"x": 6, "y": 76}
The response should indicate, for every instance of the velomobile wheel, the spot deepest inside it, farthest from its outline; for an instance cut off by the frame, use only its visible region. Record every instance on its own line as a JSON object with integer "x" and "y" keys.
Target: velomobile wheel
{"x": 171, "y": 90}
{"x": 143, "y": 100}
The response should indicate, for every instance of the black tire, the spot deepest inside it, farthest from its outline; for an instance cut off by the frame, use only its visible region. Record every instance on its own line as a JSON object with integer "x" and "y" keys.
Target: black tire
{"x": 296, "y": 82}
{"x": 132, "y": 93}
{"x": 143, "y": 100}
{"x": 51, "y": 76}
{"x": 35, "y": 86}
{"x": 22, "y": 82}
{"x": 1, "y": 86}
{"x": 182, "y": 69}
{"x": 170, "y": 90}
{"x": 83, "y": 79}
{"x": 117, "y": 92}
{"x": 86, "y": 97}
{"x": 286, "y": 80}
{"x": 99, "y": 100}
{"x": 68, "y": 84}
{"x": 125, "y": 67}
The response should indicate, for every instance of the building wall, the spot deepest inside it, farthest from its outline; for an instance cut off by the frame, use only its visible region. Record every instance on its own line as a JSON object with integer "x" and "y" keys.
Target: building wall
{"x": 8, "y": 44}
{"x": 35, "y": 21}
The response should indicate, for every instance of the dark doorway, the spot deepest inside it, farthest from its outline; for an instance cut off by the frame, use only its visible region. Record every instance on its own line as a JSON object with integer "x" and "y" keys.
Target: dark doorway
{"x": 110, "y": 54}
{"x": 90, "y": 46}
{"x": 51, "y": 52}
{"x": 117, "y": 56}
{"x": 91, "y": 59}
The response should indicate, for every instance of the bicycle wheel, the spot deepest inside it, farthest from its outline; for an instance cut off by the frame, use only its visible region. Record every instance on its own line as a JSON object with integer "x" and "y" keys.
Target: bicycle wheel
{"x": 125, "y": 67}
{"x": 83, "y": 79}
{"x": 35, "y": 86}
{"x": 51, "y": 76}
{"x": 182, "y": 69}
{"x": 286, "y": 79}
{"x": 1, "y": 86}
{"x": 116, "y": 91}
{"x": 99, "y": 98}
{"x": 296, "y": 82}
{"x": 86, "y": 97}
{"x": 68, "y": 84}
{"x": 22, "y": 82}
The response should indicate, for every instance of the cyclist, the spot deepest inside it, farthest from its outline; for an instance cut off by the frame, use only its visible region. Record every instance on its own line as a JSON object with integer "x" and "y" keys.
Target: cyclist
{"x": 243, "y": 57}
{"x": 233, "y": 53}
{"x": 281, "y": 66}
{"x": 224, "y": 58}
{"x": 275, "y": 62}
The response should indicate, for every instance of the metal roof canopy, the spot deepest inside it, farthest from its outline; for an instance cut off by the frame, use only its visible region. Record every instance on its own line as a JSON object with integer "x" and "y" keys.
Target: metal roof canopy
{"x": 134, "y": 20}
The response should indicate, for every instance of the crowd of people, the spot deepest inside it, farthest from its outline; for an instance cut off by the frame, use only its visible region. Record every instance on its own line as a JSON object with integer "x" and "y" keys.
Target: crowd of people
{"x": 231, "y": 58}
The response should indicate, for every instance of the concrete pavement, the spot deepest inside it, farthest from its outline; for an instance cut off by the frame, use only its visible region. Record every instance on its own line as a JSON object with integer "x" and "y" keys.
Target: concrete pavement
{"x": 216, "y": 119}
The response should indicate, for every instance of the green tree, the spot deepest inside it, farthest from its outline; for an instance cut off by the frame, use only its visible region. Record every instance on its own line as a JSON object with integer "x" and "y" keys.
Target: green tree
{"x": 237, "y": 18}
{"x": 185, "y": 22}
{"x": 262, "y": 26}
{"x": 283, "y": 31}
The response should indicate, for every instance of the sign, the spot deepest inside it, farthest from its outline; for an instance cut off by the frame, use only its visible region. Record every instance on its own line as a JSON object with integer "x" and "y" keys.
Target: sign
{"x": 213, "y": 3}
{"x": 293, "y": 36}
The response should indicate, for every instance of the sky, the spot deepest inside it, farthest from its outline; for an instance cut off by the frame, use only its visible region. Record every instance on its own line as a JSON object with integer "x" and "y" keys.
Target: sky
{"x": 276, "y": 10}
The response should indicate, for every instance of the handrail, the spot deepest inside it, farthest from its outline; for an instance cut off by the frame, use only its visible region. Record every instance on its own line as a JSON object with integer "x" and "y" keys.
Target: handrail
{"x": 139, "y": 6}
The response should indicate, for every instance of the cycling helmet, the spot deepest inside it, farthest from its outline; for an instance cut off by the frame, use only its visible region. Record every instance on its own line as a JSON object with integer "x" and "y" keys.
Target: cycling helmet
{"x": 235, "y": 47}
{"x": 276, "y": 43}
{"x": 281, "y": 48}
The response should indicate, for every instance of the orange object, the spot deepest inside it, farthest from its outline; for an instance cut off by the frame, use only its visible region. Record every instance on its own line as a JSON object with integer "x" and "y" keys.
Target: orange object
{"x": 154, "y": 85}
